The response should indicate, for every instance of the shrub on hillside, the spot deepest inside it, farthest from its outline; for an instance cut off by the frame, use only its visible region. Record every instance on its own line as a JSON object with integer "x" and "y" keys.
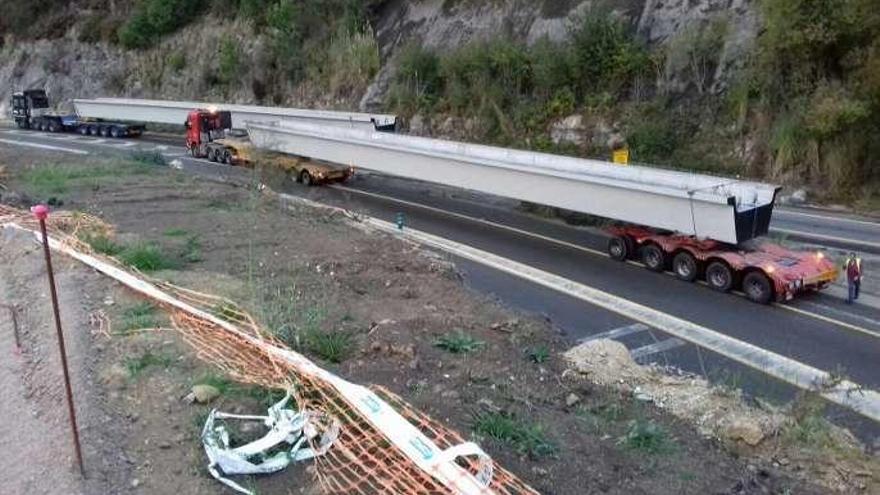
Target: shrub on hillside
{"x": 156, "y": 18}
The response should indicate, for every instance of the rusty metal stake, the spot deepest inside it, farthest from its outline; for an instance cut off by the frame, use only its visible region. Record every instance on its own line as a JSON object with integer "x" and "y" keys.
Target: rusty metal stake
{"x": 13, "y": 311}
{"x": 41, "y": 212}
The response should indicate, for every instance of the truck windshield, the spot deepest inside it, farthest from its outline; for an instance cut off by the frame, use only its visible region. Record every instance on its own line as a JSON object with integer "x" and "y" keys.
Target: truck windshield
{"x": 39, "y": 101}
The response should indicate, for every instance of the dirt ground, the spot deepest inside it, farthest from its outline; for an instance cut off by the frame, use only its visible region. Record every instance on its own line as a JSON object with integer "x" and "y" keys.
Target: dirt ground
{"x": 302, "y": 270}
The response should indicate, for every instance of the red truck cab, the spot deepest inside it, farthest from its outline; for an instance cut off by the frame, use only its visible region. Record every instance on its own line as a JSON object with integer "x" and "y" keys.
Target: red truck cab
{"x": 203, "y": 127}
{"x": 764, "y": 271}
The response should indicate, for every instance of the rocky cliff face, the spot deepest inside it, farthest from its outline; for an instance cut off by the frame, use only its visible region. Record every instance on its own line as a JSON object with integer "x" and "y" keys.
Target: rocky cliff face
{"x": 181, "y": 66}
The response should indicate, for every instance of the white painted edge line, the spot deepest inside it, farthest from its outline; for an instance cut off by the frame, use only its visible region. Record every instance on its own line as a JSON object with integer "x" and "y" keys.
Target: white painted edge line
{"x": 812, "y": 235}
{"x": 15, "y": 142}
{"x": 831, "y": 218}
{"x": 584, "y": 249}
{"x": 662, "y": 346}
{"x": 615, "y": 333}
{"x": 845, "y": 393}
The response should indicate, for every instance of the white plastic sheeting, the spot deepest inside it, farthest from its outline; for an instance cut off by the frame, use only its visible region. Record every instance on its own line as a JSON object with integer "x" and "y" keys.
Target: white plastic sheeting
{"x": 288, "y": 438}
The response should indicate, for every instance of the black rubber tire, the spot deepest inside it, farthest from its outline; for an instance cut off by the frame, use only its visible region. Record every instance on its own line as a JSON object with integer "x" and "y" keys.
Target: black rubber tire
{"x": 653, "y": 258}
{"x": 618, "y": 248}
{"x": 104, "y": 131}
{"x": 94, "y": 130}
{"x": 83, "y": 130}
{"x": 115, "y": 133}
{"x": 719, "y": 276}
{"x": 52, "y": 127}
{"x": 757, "y": 287}
{"x": 685, "y": 266}
{"x": 227, "y": 157}
{"x": 42, "y": 126}
{"x": 212, "y": 155}
{"x": 306, "y": 178}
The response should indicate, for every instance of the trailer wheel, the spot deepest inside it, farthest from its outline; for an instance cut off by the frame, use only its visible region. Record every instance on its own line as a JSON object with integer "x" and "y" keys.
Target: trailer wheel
{"x": 618, "y": 248}
{"x": 83, "y": 130}
{"x": 41, "y": 126}
{"x": 93, "y": 130}
{"x": 685, "y": 266}
{"x": 114, "y": 132}
{"x": 212, "y": 157}
{"x": 653, "y": 257}
{"x": 52, "y": 127}
{"x": 306, "y": 178}
{"x": 757, "y": 287}
{"x": 719, "y": 276}
{"x": 227, "y": 157}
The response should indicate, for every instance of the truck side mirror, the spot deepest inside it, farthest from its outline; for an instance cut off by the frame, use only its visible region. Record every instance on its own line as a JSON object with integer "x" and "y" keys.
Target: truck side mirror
{"x": 187, "y": 125}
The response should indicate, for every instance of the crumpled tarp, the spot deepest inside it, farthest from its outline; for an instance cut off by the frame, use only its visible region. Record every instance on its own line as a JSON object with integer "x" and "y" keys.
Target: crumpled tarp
{"x": 290, "y": 435}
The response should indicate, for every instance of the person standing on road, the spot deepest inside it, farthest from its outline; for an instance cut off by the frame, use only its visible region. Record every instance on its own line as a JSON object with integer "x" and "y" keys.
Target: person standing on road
{"x": 853, "y": 277}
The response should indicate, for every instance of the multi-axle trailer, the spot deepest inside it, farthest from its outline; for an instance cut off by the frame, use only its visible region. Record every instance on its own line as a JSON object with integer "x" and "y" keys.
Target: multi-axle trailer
{"x": 30, "y": 110}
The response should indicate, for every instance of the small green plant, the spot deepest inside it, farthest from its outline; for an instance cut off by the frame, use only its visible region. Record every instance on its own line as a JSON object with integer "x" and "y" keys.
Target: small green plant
{"x": 334, "y": 347}
{"x": 177, "y": 61}
{"x": 230, "y": 61}
{"x": 458, "y": 343}
{"x": 141, "y": 315}
{"x": 136, "y": 366}
{"x": 103, "y": 244}
{"x": 142, "y": 157}
{"x": 153, "y": 19}
{"x": 808, "y": 426}
{"x": 525, "y": 438}
{"x": 146, "y": 257}
{"x": 539, "y": 355}
{"x": 646, "y": 436}
{"x": 192, "y": 252}
{"x": 175, "y": 233}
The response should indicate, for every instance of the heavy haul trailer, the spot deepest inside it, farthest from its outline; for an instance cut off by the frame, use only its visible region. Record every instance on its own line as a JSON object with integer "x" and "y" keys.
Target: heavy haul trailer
{"x": 30, "y": 110}
{"x": 209, "y": 135}
{"x": 702, "y": 227}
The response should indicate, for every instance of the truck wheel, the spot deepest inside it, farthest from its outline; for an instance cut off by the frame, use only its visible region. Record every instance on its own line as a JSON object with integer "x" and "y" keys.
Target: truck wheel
{"x": 114, "y": 132}
{"x": 227, "y": 157}
{"x": 93, "y": 130}
{"x": 104, "y": 131}
{"x": 52, "y": 127}
{"x": 306, "y": 178}
{"x": 685, "y": 266}
{"x": 757, "y": 287}
{"x": 618, "y": 248}
{"x": 41, "y": 126}
{"x": 211, "y": 156}
{"x": 719, "y": 276}
{"x": 83, "y": 130}
{"x": 653, "y": 258}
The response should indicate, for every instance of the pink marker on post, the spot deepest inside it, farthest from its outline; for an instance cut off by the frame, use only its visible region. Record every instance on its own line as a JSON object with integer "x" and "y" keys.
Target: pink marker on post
{"x": 41, "y": 212}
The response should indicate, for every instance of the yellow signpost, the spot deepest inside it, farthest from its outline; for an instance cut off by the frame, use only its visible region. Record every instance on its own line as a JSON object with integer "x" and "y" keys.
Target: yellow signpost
{"x": 621, "y": 156}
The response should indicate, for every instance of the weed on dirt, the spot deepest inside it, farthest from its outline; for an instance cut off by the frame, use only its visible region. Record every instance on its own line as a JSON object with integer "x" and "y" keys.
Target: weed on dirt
{"x": 334, "y": 347}
{"x": 526, "y": 438}
{"x": 103, "y": 244}
{"x": 137, "y": 365}
{"x": 140, "y": 316}
{"x": 458, "y": 343}
{"x": 147, "y": 257}
{"x": 646, "y": 436}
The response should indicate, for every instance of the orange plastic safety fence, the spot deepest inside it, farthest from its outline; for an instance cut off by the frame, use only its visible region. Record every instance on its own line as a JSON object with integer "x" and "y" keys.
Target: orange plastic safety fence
{"x": 361, "y": 460}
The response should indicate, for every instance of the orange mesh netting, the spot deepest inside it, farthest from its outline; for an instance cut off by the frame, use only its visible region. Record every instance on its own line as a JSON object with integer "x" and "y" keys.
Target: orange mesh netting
{"x": 365, "y": 456}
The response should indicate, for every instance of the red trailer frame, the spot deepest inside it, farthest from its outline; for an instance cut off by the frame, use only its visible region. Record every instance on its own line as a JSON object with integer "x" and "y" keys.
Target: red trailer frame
{"x": 764, "y": 271}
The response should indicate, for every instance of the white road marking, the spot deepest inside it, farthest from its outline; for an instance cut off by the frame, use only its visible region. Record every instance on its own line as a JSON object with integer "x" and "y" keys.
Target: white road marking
{"x": 43, "y": 146}
{"x": 844, "y": 392}
{"x": 577, "y": 247}
{"x": 831, "y": 218}
{"x": 615, "y": 333}
{"x": 812, "y": 235}
{"x": 662, "y": 346}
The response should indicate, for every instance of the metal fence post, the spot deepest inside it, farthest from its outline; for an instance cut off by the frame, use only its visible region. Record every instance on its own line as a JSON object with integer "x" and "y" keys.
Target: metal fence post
{"x": 41, "y": 212}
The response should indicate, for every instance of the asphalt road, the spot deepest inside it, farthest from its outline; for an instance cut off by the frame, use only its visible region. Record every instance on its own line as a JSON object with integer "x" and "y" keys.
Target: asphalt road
{"x": 819, "y": 330}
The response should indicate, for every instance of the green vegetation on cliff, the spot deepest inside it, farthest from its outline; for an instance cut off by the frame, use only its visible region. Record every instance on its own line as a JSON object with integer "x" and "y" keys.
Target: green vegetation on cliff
{"x": 806, "y": 103}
